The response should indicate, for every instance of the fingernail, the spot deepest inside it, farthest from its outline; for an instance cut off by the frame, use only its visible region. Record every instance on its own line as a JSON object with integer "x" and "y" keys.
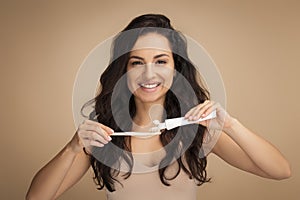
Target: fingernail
{"x": 109, "y": 138}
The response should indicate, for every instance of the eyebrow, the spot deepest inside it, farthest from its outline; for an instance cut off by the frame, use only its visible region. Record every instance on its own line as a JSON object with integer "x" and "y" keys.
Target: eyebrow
{"x": 157, "y": 56}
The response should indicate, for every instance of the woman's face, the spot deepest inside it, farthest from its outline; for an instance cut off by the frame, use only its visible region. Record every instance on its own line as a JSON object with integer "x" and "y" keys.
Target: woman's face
{"x": 150, "y": 68}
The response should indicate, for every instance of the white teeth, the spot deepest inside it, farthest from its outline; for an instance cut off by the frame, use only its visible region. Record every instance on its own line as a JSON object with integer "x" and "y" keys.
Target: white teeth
{"x": 149, "y": 86}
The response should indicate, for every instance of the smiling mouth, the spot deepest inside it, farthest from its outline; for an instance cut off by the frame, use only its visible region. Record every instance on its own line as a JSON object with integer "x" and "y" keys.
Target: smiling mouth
{"x": 149, "y": 85}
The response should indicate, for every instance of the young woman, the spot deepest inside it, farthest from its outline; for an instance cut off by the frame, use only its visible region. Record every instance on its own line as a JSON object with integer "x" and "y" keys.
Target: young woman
{"x": 151, "y": 77}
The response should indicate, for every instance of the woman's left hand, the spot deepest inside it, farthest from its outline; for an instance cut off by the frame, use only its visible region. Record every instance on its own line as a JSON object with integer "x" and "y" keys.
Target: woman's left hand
{"x": 222, "y": 121}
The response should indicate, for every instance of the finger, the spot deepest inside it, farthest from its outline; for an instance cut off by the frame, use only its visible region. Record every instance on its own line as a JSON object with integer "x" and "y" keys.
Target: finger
{"x": 96, "y": 143}
{"x": 88, "y": 136}
{"x": 97, "y": 129}
{"x": 207, "y": 123}
{"x": 195, "y": 109}
{"x": 189, "y": 113}
{"x": 106, "y": 128}
{"x": 198, "y": 113}
{"x": 210, "y": 109}
{"x": 91, "y": 135}
{"x": 203, "y": 110}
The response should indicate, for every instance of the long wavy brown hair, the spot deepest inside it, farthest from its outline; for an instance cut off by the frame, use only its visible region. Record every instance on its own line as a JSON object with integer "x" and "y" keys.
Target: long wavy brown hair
{"x": 115, "y": 104}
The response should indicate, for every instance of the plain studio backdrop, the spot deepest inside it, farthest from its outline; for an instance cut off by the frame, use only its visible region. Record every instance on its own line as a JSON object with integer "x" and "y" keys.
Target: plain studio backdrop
{"x": 255, "y": 45}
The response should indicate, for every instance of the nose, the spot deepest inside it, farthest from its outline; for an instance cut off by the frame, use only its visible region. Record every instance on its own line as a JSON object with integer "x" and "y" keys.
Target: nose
{"x": 148, "y": 71}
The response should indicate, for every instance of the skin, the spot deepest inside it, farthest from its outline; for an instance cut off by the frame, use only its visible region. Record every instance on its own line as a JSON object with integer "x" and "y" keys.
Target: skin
{"x": 151, "y": 63}
{"x": 236, "y": 145}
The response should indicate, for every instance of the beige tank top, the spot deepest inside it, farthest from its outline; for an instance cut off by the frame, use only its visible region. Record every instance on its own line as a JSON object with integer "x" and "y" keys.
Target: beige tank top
{"x": 144, "y": 183}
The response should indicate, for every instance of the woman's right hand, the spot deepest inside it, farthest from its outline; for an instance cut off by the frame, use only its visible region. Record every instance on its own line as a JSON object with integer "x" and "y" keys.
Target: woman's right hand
{"x": 90, "y": 133}
{"x": 70, "y": 164}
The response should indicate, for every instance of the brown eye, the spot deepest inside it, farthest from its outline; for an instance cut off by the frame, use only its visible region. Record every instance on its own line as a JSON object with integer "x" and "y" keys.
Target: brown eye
{"x": 161, "y": 62}
{"x": 135, "y": 63}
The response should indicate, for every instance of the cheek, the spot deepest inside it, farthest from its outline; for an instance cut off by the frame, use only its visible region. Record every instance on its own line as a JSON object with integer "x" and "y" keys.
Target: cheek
{"x": 169, "y": 81}
{"x": 167, "y": 74}
{"x": 130, "y": 83}
{"x": 132, "y": 76}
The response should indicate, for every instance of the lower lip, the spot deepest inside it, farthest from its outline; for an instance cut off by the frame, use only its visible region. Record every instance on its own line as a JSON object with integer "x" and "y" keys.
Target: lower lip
{"x": 150, "y": 89}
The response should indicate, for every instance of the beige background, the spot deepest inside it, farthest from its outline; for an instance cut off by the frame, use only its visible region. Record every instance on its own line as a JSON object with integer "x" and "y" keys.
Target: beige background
{"x": 255, "y": 44}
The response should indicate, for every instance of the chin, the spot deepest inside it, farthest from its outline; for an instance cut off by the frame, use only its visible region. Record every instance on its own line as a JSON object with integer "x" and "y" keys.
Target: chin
{"x": 150, "y": 98}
